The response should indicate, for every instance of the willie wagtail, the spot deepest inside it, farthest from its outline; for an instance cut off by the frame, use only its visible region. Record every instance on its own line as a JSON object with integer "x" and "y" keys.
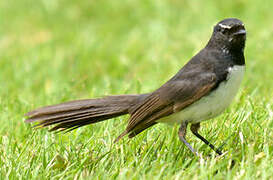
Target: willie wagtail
{"x": 201, "y": 90}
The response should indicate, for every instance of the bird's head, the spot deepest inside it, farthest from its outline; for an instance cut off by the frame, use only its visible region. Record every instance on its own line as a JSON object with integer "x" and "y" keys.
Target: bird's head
{"x": 229, "y": 34}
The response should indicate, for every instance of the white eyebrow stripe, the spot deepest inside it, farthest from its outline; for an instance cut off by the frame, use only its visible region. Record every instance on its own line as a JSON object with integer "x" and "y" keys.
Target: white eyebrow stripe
{"x": 225, "y": 26}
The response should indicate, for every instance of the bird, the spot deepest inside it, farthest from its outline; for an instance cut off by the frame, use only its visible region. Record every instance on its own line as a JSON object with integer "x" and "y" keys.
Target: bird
{"x": 201, "y": 90}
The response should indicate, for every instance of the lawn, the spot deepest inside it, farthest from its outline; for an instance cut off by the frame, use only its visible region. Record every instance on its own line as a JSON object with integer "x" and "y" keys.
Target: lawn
{"x": 53, "y": 51}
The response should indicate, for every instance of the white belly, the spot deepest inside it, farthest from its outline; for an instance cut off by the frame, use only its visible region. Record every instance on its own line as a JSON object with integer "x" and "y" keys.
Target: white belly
{"x": 213, "y": 104}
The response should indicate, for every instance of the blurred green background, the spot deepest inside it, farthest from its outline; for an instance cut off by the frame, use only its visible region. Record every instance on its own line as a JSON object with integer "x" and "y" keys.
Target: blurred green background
{"x": 55, "y": 50}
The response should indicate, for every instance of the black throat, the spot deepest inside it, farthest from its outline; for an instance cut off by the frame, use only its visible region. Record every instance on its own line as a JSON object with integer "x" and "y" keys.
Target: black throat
{"x": 235, "y": 54}
{"x": 238, "y": 58}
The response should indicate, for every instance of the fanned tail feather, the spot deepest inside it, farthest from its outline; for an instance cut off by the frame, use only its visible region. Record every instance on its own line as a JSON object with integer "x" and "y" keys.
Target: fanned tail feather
{"x": 74, "y": 114}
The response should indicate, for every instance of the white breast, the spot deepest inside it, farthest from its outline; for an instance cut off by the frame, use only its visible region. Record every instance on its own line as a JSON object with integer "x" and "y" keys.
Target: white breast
{"x": 213, "y": 104}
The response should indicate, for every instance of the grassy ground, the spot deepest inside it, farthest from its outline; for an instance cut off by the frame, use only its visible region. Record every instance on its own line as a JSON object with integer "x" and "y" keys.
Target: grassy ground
{"x": 54, "y": 50}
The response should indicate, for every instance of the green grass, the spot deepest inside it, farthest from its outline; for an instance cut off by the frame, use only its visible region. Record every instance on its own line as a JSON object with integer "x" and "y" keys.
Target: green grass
{"x": 53, "y": 51}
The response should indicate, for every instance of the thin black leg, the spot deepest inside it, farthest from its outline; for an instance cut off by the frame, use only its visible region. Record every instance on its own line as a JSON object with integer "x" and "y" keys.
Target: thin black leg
{"x": 194, "y": 130}
{"x": 182, "y": 134}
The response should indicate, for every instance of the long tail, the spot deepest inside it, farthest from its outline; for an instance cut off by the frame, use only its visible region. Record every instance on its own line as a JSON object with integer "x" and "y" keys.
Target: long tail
{"x": 74, "y": 114}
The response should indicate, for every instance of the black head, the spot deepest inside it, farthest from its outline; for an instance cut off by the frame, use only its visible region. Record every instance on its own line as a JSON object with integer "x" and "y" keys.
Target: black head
{"x": 229, "y": 35}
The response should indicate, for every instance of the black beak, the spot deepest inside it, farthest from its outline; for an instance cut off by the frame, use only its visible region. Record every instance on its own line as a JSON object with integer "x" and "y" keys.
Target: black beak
{"x": 240, "y": 32}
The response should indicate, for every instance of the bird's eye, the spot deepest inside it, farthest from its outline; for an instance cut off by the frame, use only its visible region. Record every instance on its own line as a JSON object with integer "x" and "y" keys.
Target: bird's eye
{"x": 224, "y": 30}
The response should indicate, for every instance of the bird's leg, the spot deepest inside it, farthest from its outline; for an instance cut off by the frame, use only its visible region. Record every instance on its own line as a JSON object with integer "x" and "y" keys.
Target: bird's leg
{"x": 194, "y": 130}
{"x": 182, "y": 134}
